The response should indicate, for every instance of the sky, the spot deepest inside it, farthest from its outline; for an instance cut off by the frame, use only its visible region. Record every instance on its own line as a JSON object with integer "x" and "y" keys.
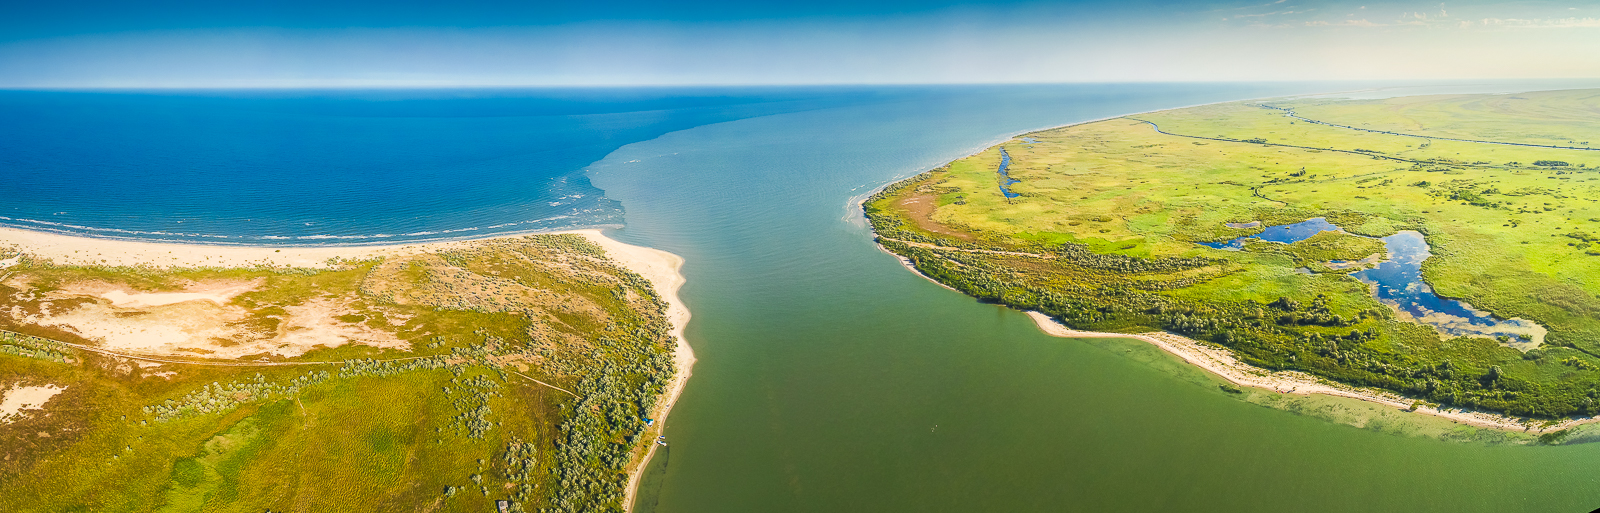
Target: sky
{"x": 405, "y": 43}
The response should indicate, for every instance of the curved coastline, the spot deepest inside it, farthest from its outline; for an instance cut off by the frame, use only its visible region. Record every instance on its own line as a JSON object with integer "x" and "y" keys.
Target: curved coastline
{"x": 1219, "y": 361}
{"x": 660, "y": 268}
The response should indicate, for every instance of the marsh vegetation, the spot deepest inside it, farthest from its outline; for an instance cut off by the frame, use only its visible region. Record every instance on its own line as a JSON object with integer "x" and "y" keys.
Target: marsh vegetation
{"x": 1117, "y": 226}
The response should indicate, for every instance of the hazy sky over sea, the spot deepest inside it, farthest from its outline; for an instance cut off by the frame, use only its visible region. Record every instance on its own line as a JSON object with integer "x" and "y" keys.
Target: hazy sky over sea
{"x": 292, "y": 43}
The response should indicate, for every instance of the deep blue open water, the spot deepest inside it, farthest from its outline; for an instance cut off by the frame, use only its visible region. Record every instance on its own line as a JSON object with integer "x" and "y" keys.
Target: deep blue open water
{"x": 340, "y": 167}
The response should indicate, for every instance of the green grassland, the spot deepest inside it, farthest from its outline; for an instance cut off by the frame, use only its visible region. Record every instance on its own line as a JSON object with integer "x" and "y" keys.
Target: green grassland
{"x": 454, "y": 423}
{"x": 1103, "y": 235}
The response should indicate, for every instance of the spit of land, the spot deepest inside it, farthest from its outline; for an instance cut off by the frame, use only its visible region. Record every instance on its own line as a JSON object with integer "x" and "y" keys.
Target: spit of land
{"x": 1173, "y": 223}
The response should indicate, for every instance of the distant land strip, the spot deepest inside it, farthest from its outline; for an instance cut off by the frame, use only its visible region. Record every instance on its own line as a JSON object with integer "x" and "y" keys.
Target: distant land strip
{"x": 1290, "y": 113}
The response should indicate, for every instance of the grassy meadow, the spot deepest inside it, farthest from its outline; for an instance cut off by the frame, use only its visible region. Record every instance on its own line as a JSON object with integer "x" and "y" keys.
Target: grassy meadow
{"x": 1104, "y": 235}
{"x": 450, "y": 420}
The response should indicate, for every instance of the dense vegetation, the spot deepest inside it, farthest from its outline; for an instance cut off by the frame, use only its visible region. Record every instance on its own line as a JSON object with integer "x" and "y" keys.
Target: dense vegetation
{"x": 456, "y": 422}
{"x": 1103, "y": 236}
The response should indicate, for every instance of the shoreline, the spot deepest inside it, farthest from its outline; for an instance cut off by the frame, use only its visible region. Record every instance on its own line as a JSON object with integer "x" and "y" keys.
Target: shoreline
{"x": 65, "y": 249}
{"x": 663, "y": 270}
{"x": 1220, "y": 362}
{"x": 660, "y": 268}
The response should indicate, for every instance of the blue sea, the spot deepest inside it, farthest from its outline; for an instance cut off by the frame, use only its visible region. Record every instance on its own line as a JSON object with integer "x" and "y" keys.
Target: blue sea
{"x": 340, "y": 167}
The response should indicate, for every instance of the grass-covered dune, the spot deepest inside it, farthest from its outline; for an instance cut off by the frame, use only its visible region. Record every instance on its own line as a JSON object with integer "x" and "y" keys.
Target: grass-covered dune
{"x": 515, "y": 369}
{"x": 1105, "y": 228}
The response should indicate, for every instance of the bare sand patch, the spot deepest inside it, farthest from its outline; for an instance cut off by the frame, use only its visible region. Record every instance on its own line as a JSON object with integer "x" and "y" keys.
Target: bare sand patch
{"x": 215, "y": 330}
{"x": 316, "y": 323}
{"x": 199, "y": 319}
{"x": 216, "y": 292}
{"x": 20, "y": 398}
{"x": 921, "y": 209}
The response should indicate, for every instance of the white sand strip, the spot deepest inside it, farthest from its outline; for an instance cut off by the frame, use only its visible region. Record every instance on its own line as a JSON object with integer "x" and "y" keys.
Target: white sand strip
{"x": 662, "y": 269}
{"x": 1220, "y": 361}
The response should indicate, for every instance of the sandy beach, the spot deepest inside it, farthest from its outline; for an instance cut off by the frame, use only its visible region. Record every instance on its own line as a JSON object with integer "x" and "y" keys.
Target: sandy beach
{"x": 1220, "y": 361}
{"x": 70, "y": 250}
{"x": 662, "y": 269}
{"x": 659, "y": 267}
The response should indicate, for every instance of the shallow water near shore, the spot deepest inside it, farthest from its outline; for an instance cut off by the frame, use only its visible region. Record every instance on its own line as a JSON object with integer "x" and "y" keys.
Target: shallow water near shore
{"x": 832, "y": 379}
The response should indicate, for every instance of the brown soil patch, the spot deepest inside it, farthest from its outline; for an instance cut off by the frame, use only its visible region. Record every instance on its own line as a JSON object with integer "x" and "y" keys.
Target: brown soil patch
{"x": 919, "y": 209}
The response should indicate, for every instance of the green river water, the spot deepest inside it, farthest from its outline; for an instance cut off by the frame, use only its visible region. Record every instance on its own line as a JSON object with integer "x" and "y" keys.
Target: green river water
{"x": 830, "y": 378}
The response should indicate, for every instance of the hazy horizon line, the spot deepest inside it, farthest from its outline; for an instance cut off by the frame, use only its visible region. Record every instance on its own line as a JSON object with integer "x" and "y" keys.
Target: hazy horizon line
{"x": 619, "y": 85}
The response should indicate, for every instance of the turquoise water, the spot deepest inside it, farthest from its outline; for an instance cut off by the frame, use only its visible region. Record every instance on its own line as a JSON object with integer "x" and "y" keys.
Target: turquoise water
{"x": 832, "y": 379}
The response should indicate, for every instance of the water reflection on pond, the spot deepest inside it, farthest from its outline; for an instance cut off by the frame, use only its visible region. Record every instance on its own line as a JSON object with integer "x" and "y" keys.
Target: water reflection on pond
{"x": 1284, "y": 233}
{"x": 1398, "y": 283}
{"x": 1396, "y": 280}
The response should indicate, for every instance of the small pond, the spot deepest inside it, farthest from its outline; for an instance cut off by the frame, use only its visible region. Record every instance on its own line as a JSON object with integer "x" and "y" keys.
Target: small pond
{"x": 1396, "y": 280}
{"x": 1284, "y": 233}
